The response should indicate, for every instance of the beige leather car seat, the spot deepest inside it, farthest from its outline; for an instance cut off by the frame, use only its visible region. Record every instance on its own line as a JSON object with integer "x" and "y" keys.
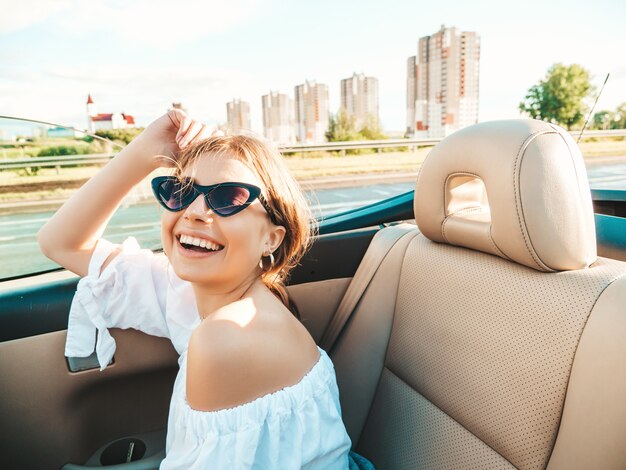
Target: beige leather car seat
{"x": 493, "y": 336}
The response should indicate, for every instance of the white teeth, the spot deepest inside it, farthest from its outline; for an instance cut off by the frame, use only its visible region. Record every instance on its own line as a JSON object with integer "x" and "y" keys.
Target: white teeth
{"x": 188, "y": 240}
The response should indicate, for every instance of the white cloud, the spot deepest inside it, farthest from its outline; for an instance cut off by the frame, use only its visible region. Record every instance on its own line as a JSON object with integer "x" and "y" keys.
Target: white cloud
{"x": 59, "y": 95}
{"x": 26, "y": 13}
{"x": 160, "y": 23}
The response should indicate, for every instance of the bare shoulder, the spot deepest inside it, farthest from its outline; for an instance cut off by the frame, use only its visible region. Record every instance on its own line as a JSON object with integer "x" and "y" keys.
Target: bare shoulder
{"x": 236, "y": 358}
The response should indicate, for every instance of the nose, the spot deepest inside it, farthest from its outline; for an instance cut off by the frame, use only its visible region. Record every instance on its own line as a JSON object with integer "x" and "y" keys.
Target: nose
{"x": 198, "y": 210}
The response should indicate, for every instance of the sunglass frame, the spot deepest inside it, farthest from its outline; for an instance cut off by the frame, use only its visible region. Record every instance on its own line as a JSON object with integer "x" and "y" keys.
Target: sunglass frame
{"x": 253, "y": 191}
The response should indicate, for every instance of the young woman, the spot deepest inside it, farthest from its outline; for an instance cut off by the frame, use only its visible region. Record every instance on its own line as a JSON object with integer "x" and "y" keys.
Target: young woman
{"x": 253, "y": 389}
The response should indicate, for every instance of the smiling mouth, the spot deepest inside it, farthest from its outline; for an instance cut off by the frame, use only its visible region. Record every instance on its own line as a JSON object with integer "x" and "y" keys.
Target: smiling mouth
{"x": 198, "y": 245}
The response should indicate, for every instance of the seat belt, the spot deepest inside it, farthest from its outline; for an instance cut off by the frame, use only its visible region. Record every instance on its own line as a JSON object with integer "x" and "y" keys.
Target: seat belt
{"x": 380, "y": 245}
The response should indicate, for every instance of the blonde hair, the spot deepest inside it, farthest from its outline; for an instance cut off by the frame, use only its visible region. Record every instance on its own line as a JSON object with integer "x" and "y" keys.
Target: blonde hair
{"x": 281, "y": 192}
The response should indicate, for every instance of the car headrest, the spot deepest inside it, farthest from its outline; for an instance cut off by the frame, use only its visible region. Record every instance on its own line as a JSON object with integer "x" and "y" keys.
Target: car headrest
{"x": 516, "y": 189}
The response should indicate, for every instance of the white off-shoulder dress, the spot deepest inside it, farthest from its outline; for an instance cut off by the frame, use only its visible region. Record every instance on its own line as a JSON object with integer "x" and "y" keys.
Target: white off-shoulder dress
{"x": 299, "y": 426}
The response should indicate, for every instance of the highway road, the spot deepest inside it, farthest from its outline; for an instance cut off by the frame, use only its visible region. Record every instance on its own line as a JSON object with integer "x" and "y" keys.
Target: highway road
{"x": 19, "y": 251}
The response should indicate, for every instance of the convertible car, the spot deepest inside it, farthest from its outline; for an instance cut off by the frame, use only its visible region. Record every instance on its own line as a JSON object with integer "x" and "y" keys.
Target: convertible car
{"x": 476, "y": 322}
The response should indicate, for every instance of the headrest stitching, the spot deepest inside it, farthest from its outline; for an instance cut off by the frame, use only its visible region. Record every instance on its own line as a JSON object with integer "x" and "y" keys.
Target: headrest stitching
{"x": 495, "y": 247}
{"x": 448, "y": 217}
{"x": 443, "y": 229}
{"x": 571, "y": 156}
{"x": 518, "y": 203}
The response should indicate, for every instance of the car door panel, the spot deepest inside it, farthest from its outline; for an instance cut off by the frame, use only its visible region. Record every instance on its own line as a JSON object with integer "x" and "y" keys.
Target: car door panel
{"x": 54, "y": 416}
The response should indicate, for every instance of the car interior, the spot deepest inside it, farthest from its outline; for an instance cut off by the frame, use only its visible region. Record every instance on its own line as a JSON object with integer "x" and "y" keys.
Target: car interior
{"x": 478, "y": 322}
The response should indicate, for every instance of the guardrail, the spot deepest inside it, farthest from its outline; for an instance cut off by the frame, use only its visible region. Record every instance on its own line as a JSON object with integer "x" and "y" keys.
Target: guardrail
{"x": 359, "y": 144}
{"x": 91, "y": 159}
{"x": 97, "y": 159}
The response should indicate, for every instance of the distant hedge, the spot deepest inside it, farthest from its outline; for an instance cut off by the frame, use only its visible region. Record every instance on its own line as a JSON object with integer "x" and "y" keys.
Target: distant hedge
{"x": 120, "y": 135}
{"x": 60, "y": 150}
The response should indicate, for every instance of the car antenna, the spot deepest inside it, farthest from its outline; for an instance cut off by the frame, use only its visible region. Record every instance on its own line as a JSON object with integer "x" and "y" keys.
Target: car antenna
{"x": 592, "y": 108}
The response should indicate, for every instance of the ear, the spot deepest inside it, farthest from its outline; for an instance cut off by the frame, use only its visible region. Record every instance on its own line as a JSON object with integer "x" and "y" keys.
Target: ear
{"x": 275, "y": 236}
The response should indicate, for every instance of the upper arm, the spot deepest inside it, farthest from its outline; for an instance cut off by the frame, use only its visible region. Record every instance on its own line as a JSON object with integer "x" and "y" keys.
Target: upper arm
{"x": 215, "y": 368}
{"x": 77, "y": 261}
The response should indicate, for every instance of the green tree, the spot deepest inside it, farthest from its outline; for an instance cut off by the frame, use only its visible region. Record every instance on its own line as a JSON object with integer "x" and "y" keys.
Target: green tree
{"x": 610, "y": 119}
{"x": 342, "y": 127}
{"x": 371, "y": 129}
{"x": 560, "y": 97}
{"x": 602, "y": 120}
{"x": 619, "y": 117}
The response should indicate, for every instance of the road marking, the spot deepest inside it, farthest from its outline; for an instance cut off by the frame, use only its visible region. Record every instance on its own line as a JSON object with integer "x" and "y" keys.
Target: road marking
{"x": 155, "y": 225}
{"x": 381, "y": 192}
{"x": 23, "y": 222}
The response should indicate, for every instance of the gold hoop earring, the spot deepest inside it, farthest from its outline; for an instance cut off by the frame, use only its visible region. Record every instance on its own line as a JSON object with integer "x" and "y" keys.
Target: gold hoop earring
{"x": 271, "y": 256}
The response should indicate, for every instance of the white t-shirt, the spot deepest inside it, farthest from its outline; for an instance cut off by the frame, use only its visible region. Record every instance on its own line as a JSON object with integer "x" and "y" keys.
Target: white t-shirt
{"x": 299, "y": 426}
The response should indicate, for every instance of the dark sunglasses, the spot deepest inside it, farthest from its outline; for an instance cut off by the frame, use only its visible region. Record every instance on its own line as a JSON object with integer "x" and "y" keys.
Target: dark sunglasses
{"x": 225, "y": 199}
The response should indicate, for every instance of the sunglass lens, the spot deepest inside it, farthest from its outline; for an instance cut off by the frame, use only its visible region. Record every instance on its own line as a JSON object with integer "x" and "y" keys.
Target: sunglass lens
{"x": 227, "y": 200}
{"x": 173, "y": 195}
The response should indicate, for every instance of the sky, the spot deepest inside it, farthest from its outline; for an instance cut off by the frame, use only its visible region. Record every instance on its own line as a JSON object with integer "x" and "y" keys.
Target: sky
{"x": 139, "y": 56}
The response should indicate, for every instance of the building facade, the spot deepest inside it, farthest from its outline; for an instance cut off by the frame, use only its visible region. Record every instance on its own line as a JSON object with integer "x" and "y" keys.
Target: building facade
{"x": 311, "y": 112}
{"x": 106, "y": 121}
{"x": 442, "y": 83}
{"x": 278, "y": 124}
{"x": 359, "y": 99}
{"x": 238, "y": 114}
{"x": 411, "y": 94}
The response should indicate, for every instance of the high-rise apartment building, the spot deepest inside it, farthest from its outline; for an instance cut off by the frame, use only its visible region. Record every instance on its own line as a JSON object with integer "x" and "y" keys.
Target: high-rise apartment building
{"x": 238, "y": 114}
{"x": 278, "y": 117}
{"x": 311, "y": 112}
{"x": 442, "y": 83}
{"x": 411, "y": 94}
{"x": 359, "y": 98}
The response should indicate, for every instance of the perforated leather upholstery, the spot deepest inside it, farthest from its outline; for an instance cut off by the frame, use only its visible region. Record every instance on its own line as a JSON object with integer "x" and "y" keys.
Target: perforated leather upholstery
{"x": 480, "y": 359}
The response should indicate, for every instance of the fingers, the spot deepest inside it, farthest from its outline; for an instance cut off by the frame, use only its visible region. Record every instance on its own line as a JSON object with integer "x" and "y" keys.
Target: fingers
{"x": 183, "y": 127}
{"x": 176, "y": 116}
{"x": 187, "y": 135}
{"x": 195, "y": 133}
{"x": 189, "y": 130}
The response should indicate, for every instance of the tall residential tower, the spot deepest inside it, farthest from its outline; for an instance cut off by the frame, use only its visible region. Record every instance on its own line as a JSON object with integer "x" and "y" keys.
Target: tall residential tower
{"x": 442, "y": 83}
{"x": 359, "y": 98}
{"x": 278, "y": 117}
{"x": 238, "y": 114}
{"x": 311, "y": 112}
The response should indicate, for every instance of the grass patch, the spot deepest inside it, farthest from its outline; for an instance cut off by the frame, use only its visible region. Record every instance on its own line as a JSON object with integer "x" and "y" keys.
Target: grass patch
{"x": 45, "y": 175}
{"x": 334, "y": 165}
{"x": 58, "y": 193}
{"x": 603, "y": 148}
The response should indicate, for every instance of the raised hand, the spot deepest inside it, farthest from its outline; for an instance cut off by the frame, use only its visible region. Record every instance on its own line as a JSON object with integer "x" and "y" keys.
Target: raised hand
{"x": 165, "y": 137}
